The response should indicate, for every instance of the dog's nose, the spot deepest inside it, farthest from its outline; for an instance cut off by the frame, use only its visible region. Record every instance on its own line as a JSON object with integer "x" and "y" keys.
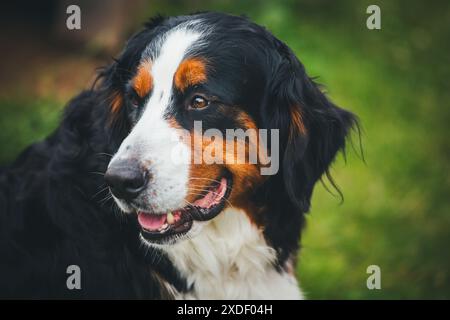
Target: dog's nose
{"x": 126, "y": 179}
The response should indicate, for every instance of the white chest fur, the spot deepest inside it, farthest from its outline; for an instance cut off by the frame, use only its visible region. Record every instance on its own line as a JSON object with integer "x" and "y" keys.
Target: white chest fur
{"x": 230, "y": 259}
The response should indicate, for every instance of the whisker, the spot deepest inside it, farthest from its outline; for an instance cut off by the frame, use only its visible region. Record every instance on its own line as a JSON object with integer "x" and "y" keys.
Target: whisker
{"x": 96, "y": 172}
{"x": 117, "y": 212}
{"x": 192, "y": 206}
{"x": 196, "y": 185}
{"x": 100, "y": 191}
{"x": 189, "y": 203}
{"x": 200, "y": 178}
{"x": 228, "y": 187}
{"x": 106, "y": 199}
{"x": 200, "y": 194}
{"x": 104, "y": 154}
{"x": 203, "y": 190}
{"x": 199, "y": 189}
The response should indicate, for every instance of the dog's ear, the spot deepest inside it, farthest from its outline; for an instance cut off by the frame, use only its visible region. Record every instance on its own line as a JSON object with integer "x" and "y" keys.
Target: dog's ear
{"x": 311, "y": 128}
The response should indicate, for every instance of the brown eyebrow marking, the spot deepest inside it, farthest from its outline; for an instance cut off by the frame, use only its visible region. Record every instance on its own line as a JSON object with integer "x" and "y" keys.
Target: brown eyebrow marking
{"x": 190, "y": 72}
{"x": 143, "y": 80}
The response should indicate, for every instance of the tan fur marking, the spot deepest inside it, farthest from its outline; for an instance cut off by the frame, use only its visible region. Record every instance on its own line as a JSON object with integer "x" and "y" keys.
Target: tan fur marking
{"x": 246, "y": 176}
{"x": 116, "y": 102}
{"x": 297, "y": 123}
{"x": 143, "y": 80}
{"x": 190, "y": 72}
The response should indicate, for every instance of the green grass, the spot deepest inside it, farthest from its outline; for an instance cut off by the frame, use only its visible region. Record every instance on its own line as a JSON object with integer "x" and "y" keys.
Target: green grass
{"x": 25, "y": 121}
{"x": 396, "y": 212}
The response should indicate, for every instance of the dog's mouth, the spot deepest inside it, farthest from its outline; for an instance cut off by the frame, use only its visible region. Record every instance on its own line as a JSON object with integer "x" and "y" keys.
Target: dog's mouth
{"x": 162, "y": 228}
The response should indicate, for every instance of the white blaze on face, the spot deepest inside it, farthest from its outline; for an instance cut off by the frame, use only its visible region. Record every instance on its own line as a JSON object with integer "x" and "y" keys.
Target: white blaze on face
{"x": 151, "y": 140}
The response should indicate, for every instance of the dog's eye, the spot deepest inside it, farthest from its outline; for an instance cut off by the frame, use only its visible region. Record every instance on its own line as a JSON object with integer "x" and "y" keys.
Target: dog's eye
{"x": 134, "y": 102}
{"x": 198, "y": 102}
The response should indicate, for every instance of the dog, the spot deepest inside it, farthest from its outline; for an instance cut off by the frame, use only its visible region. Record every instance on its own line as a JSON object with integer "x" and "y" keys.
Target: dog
{"x": 115, "y": 191}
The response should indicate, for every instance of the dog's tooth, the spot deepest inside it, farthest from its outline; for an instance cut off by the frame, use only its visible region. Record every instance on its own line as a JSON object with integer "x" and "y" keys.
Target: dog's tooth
{"x": 163, "y": 227}
{"x": 170, "y": 218}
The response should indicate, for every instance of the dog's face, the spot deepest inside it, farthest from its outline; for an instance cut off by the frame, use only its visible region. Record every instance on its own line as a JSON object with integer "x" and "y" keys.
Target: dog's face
{"x": 179, "y": 87}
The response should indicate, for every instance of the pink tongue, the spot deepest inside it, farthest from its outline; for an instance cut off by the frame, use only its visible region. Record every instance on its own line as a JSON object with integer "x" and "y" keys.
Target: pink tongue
{"x": 156, "y": 221}
{"x": 214, "y": 196}
{"x": 151, "y": 221}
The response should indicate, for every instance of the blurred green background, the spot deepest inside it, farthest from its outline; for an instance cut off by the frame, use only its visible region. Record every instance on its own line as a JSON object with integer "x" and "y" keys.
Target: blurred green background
{"x": 396, "y": 212}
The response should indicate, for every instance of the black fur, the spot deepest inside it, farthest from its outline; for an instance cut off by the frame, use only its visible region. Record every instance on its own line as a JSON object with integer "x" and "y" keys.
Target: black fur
{"x": 305, "y": 157}
{"x": 51, "y": 210}
{"x": 50, "y": 218}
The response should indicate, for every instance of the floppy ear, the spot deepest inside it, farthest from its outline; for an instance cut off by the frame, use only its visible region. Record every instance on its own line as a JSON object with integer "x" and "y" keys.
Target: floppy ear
{"x": 312, "y": 129}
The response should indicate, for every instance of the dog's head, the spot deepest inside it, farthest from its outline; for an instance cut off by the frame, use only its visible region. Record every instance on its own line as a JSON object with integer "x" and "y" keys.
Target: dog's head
{"x": 181, "y": 90}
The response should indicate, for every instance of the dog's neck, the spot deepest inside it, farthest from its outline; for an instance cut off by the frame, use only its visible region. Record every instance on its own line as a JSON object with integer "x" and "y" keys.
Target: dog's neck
{"x": 230, "y": 259}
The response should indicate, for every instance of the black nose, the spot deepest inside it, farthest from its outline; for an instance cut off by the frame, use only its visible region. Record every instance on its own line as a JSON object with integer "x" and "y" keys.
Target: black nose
{"x": 126, "y": 179}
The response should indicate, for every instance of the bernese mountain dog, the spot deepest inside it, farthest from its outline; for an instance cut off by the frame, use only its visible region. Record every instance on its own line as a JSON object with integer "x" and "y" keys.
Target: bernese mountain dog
{"x": 116, "y": 190}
